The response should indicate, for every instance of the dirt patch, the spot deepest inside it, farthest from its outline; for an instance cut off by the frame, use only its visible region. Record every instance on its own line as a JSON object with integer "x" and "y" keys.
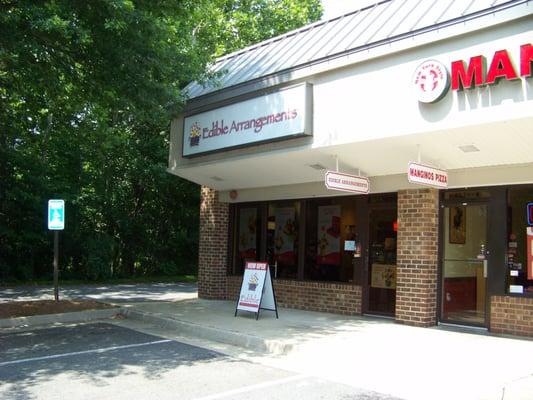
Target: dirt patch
{"x": 41, "y": 307}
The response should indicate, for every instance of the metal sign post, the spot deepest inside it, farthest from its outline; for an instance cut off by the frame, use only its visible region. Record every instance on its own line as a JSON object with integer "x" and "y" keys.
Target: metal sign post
{"x": 56, "y": 265}
{"x": 56, "y": 223}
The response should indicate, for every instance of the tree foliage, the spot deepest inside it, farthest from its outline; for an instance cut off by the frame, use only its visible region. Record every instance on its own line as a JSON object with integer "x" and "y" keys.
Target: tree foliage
{"x": 87, "y": 91}
{"x": 251, "y": 21}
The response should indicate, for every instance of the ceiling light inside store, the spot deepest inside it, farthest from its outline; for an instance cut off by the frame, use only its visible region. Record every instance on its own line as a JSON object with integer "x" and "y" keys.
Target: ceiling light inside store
{"x": 469, "y": 148}
{"x": 318, "y": 167}
{"x": 217, "y": 178}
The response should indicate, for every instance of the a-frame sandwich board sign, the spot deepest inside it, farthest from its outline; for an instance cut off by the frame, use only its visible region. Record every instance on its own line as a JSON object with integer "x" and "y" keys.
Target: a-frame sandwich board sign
{"x": 257, "y": 290}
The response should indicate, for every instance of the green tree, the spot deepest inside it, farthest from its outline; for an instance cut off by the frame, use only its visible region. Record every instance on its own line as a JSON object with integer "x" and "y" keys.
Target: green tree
{"x": 245, "y": 22}
{"x": 87, "y": 92}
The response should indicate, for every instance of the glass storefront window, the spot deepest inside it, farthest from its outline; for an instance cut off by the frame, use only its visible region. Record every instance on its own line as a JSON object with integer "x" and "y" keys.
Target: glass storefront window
{"x": 315, "y": 239}
{"x": 282, "y": 237}
{"x": 519, "y": 241}
{"x": 247, "y": 236}
{"x": 331, "y": 240}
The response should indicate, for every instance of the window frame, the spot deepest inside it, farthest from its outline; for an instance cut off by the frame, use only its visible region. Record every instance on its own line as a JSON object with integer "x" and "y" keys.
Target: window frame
{"x": 233, "y": 226}
{"x": 361, "y": 203}
{"x": 506, "y": 239}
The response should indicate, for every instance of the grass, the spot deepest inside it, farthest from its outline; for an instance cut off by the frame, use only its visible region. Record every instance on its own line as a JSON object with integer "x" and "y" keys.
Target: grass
{"x": 113, "y": 281}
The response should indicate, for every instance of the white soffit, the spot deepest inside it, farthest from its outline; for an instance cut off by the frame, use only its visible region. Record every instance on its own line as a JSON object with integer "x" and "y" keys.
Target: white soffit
{"x": 504, "y": 143}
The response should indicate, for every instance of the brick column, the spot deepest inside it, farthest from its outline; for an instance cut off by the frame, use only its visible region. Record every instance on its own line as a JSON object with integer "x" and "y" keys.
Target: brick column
{"x": 417, "y": 258}
{"x": 213, "y": 247}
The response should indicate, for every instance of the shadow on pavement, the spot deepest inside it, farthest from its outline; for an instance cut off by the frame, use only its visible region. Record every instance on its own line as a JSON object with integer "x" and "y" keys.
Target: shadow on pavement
{"x": 152, "y": 360}
{"x": 124, "y": 293}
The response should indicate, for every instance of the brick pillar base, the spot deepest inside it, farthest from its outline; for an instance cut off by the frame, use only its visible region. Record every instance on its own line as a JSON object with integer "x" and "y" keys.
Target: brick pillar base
{"x": 511, "y": 315}
{"x": 416, "y": 290}
{"x": 213, "y": 248}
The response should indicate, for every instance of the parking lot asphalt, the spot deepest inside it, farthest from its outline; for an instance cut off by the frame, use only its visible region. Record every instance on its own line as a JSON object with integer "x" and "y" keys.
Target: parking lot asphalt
{"x": 102, "y": 360}
{"x": 359, "y": 354}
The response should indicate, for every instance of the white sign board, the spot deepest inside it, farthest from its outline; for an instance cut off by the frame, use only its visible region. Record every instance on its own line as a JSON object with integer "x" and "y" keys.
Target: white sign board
{"x": 286, "y": 113}
{"x": 56, "y": 215}
{"x": 349, "y": 245}
{"x": 257, "y": 291}
{"x": 347, "y": 183}
{"x": 425, "y": 175}
{"x": 252, "y": 286}
{"x": 268, "y": 302}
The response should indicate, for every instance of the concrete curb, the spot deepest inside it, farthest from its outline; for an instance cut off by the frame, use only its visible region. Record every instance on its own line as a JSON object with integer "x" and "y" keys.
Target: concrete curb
{"x": 50, "y": 319}
{"x": 238, "y": 339}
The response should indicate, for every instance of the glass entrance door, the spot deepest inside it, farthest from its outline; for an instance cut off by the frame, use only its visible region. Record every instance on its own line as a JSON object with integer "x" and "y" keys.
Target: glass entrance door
{"x": 464, "y": 264}
{"x": 381, "y": 279}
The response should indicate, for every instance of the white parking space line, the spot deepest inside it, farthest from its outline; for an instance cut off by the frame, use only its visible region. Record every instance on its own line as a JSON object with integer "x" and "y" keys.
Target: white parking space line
{"x": 77, "y": 353}
{"x": 251, "y": 388}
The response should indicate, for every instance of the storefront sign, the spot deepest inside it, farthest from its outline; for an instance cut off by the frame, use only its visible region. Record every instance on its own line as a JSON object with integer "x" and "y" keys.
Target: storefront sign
{"x": 347, "y": 183}
{"x": 431, "y": 82}
{"x": 329, "y": 231}
{"x": 425, "y": 175}
{"x": 252, "y": 286}
{"x": 274, "y": 116}
{"x": 473, "y": 74}
{"x": 257, "y": 291}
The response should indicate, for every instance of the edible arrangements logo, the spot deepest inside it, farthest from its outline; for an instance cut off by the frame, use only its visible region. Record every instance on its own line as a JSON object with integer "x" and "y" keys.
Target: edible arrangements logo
{"x": 194, "y": 134}
{"x": 430, "y": 81}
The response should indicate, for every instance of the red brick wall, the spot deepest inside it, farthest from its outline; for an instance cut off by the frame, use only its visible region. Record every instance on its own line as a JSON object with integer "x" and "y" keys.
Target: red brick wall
{"x": 417, "y": 257}
{"x": 511, "y": 315}
{"x": 213, "y": 248}
{"x": 335, "y": 298}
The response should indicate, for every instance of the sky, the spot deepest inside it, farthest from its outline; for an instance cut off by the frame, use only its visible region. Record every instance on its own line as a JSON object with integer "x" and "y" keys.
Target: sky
{"x": 334, "y": 8}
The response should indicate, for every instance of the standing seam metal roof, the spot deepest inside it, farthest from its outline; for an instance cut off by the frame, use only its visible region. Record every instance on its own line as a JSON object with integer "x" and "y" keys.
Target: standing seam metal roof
{"x": 381, "y": 21}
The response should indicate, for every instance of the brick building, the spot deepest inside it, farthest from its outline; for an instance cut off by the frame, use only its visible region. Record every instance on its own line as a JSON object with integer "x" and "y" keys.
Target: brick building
{"x": 381, "y": 162}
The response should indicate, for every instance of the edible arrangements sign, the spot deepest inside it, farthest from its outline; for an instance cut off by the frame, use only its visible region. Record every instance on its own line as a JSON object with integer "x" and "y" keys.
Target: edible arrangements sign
{"x": 274, "y": 116}
{"x": 347, "y": 183}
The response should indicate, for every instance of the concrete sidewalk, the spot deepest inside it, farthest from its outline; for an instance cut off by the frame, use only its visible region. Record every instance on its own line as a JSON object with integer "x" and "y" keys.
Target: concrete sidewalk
{"x": 375, "y": 354}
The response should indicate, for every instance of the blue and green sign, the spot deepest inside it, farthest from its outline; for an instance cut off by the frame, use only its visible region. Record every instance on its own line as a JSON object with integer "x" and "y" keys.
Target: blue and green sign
{"x": 56, "y": 215}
